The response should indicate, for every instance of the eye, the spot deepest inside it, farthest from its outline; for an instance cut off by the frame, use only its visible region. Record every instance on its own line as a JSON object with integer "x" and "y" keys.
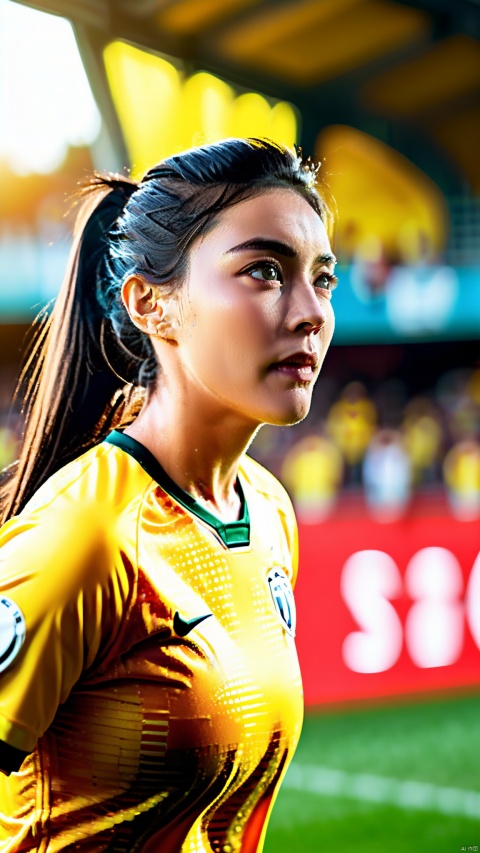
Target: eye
{"x": 265, "y": 271}
{"x": 326, "y": 281}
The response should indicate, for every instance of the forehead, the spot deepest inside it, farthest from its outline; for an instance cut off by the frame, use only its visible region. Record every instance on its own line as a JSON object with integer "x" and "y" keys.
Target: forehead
{"x": 277, "y": 213}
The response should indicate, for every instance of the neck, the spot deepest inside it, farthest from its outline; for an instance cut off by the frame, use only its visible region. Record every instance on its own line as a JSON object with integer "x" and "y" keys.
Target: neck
{"x": 198, "y": 444}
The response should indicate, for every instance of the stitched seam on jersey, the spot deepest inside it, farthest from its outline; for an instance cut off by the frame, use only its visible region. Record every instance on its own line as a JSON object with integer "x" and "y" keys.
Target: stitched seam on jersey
{"x": 137, "y": 547}
{"x": 137, "y": 533}
{"x": 133, "y": 588}
{"x": 70, "y": 483}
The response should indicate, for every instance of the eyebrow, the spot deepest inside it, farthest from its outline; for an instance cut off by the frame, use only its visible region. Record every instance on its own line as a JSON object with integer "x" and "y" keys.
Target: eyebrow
{"x": 280, "y": 248}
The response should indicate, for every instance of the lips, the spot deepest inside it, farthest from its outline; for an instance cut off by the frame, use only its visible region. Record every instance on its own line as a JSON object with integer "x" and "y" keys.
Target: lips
{"x": 299, "y": 366}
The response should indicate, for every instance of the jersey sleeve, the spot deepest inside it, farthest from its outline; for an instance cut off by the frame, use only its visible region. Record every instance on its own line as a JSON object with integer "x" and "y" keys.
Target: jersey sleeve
{"x": 63, "y": 592}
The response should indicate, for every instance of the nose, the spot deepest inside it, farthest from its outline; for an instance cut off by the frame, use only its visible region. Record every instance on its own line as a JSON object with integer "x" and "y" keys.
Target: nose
{"x": 306, "y": 309}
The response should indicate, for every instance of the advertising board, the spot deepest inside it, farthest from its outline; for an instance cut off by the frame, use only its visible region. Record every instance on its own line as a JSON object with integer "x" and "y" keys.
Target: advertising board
{"x": 388, "y": 609}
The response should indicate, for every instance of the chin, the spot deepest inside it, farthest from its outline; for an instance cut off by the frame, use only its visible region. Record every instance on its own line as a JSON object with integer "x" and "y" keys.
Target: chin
{"x": 282, "y": 409}
{"x": 294, "y": 419}
{"x": 290, "y": 417}
{"x": 300, "y": 405}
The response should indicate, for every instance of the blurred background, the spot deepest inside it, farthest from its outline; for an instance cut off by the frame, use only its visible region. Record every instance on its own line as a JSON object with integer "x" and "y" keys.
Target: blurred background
{"x": 385, "y": 472}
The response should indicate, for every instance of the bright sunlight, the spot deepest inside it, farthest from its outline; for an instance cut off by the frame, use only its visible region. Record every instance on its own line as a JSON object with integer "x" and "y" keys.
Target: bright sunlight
{"x": 45, "y": 100}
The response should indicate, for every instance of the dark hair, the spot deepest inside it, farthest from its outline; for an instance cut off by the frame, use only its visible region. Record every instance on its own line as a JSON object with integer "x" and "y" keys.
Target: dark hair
{"x": 88, "y": 366}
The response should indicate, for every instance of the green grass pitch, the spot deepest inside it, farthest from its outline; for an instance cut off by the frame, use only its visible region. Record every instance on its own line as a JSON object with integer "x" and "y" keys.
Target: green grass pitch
{"x": 434, "y": 743}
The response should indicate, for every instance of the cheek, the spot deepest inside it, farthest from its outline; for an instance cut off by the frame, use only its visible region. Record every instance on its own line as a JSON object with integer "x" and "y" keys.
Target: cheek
{"x": 228, "y": 333}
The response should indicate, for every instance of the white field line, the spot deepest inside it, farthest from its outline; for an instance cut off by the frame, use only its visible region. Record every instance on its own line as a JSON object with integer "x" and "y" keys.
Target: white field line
{"x": 406, "y": 794}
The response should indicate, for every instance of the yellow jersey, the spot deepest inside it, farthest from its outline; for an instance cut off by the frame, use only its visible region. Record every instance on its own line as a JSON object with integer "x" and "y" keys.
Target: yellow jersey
{"x": 147, "y": 661}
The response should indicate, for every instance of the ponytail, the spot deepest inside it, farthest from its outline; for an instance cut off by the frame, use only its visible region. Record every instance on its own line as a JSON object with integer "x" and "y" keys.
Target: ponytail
{"x": 71, "y": 392}
{"x": 88, "y": 361}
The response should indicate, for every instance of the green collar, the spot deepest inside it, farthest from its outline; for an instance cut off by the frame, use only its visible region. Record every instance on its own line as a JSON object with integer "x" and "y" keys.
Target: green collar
{"x": 234, "y": 534}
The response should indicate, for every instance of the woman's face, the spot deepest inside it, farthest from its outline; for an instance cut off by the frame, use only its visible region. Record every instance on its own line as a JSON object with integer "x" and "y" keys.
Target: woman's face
{"x": 255, "y": 313}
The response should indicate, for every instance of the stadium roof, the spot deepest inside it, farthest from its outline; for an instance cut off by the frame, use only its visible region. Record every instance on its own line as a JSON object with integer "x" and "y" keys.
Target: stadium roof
{"x": 406, "y": 72}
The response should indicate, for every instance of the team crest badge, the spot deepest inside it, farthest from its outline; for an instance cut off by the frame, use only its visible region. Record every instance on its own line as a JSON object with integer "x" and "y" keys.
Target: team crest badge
{"x": 282, "y": 595}
{"x": 12, "y": 631}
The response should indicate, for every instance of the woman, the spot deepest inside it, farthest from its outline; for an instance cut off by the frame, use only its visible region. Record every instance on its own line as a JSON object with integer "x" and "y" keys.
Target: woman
{"x": 150, "y": 696}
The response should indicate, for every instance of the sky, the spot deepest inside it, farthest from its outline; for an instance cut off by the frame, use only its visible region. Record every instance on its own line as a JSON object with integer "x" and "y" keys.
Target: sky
{"x": 45, "y": 100}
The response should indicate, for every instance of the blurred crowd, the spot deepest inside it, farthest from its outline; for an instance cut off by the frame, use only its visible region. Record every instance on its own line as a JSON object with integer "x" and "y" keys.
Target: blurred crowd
{"x": 383, "y": 445}
{"x": 378, "y": 444}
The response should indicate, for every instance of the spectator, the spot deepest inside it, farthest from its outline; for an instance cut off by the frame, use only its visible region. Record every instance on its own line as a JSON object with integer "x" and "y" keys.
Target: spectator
{"x": 312, "y": 472}
{"x": 351, "y": 424}
{"x": 387, "y": 475}
{"x": 461, "y": 470}
{"x": 422, "y": 439}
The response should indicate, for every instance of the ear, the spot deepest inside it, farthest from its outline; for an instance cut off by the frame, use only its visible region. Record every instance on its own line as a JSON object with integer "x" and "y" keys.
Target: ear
{"x": 153, "y": 312}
